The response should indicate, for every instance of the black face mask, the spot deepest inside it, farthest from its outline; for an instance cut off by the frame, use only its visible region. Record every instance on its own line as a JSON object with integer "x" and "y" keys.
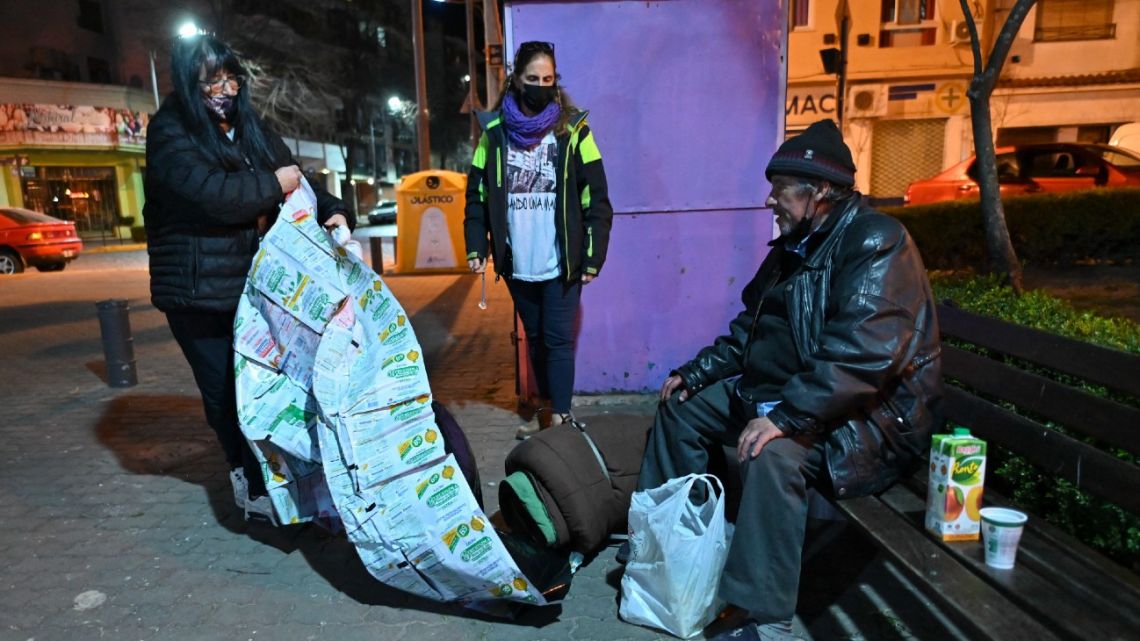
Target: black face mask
{"x": 536, "y": 97}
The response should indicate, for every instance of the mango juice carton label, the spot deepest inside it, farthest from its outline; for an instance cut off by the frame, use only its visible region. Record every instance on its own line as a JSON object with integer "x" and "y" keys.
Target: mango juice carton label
{"x": 954, "y": 493}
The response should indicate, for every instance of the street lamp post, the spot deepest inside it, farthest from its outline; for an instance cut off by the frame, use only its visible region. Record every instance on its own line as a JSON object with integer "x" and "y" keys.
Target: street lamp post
{"x": 473, "y": 102}
{"x": 154, "y": 81}
{"x": 472, "y": 73}
{"x": 423, "y": 141}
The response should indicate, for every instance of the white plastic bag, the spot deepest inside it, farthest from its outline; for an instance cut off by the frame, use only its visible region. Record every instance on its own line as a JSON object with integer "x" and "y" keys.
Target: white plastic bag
{"x": 677, "y": 555}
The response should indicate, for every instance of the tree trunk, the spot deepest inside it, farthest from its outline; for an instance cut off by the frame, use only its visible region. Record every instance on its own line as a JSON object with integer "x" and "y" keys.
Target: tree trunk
{"x": 1003, "y": 258}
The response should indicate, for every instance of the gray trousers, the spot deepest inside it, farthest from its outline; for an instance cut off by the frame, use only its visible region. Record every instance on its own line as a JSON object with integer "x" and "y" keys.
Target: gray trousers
{"x": 762, "y": 574}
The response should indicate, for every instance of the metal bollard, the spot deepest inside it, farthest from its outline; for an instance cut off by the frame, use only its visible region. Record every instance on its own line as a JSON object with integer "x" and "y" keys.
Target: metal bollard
{"x": 118, "y": 345}
{"x": 376, "y": 249}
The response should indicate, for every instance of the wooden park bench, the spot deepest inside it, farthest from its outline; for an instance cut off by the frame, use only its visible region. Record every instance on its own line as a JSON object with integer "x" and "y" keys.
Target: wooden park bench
{"x": 1059, "y": 588}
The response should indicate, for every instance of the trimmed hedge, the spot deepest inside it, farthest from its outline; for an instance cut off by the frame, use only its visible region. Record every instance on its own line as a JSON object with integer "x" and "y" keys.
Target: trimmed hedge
{"x": 1099, "y": 524}
{"x": 1064, "y": 228}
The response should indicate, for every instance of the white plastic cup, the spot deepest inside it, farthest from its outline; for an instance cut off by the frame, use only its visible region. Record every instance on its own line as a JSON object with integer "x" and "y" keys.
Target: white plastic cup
{"x": 1001, "y": 531}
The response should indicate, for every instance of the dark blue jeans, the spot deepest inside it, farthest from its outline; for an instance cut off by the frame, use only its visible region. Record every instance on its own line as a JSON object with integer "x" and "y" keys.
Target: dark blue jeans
{"x": 548, "y": 310}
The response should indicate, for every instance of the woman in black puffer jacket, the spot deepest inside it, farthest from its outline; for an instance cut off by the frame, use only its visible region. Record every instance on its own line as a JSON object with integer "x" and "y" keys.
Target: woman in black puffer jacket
{"x": 215, "y": 177}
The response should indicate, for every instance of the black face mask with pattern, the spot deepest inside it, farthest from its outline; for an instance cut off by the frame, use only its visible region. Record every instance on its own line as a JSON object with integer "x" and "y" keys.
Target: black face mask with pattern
{"x": 221, "y": 107}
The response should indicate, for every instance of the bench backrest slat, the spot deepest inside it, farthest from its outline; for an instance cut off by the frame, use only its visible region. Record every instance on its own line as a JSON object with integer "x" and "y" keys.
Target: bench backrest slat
{"x": 1090, "y": 415}
{"x": 1112, "y": 368}
{"x": 1084, "y": 466}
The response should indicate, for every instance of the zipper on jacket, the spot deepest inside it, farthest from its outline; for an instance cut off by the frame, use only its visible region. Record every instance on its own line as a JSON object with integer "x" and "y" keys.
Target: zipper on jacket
{"x": 590, "y": 245}
{"x": 499, "y": 166}
{"x": 565, "y": 187}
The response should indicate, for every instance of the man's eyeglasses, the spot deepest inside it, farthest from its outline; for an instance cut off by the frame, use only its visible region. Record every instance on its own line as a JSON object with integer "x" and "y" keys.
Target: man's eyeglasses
{"x": 215, "y": 87}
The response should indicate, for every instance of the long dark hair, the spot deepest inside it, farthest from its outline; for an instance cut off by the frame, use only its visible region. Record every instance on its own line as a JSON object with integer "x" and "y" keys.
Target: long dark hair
{"x": 527, "y": 52}
{"x": 190, "y": 57}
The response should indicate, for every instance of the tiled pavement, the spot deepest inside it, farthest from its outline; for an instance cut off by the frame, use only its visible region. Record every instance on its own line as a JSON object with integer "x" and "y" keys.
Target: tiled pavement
{"x": 118, "y": 523}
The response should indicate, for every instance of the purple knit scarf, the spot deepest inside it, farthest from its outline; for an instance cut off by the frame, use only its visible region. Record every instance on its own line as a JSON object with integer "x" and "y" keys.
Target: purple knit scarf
{"x": 527, "y": 131}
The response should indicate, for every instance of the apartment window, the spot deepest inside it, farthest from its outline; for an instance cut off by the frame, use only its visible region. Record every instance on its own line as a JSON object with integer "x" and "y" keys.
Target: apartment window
{"x": 1059, "y": 20}
{"x": 91, "y": 15}
{"x": 907, "y": 12}
{"x": 907, "y": 23}
{"x": 801, "y": 14}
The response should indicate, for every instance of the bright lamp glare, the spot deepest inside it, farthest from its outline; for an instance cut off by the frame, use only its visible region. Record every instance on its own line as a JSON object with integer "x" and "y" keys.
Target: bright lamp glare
{"x": 395, "y": 103}
{"x": 188, "y": 30}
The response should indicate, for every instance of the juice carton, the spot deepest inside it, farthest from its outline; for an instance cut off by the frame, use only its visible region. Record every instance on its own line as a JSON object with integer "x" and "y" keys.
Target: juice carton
{"x": 954, "y": 494}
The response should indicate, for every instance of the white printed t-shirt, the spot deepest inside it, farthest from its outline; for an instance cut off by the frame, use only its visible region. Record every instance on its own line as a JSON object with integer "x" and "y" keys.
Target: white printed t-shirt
{"x": 531, "y": 182}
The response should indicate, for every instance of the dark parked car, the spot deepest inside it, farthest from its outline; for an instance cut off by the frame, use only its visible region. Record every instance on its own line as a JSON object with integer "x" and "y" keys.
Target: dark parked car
{"x": 32, "y": 239}
{"x": 384, "y": 213}
{"x": 1030, "y": 169}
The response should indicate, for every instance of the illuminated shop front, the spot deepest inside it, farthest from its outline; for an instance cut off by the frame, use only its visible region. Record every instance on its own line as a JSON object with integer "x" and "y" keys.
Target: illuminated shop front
{"x": 78, "y": 163}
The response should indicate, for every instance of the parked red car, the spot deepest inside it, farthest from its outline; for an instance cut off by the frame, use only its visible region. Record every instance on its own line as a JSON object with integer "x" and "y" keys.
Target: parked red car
{"x": 32, "y": 239}
{"x": 1029, "y": 169}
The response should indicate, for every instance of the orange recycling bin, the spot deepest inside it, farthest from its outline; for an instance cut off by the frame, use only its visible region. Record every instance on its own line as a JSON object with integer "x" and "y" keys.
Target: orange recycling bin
{"x": 429, "y": 222}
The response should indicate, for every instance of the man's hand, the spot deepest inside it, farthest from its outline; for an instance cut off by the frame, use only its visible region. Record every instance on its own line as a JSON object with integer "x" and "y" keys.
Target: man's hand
{"x": 670, "y": 385}
{"x": 289, "y": 177}
{"x": 755, "y": 436}
{"x": 477, "y": 265}
{"x": 588, "y": 278}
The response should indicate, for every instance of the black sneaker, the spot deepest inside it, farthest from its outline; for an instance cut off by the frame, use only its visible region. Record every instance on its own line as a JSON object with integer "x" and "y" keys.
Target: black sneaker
{"x": 753, "y": 631}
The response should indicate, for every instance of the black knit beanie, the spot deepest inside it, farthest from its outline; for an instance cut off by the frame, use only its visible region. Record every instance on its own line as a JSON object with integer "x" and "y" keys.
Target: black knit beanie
{"x": 818, "y": 152}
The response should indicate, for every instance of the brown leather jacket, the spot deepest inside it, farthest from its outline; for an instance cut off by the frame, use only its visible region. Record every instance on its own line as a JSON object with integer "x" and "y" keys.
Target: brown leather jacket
{"x": 864, "y": 325}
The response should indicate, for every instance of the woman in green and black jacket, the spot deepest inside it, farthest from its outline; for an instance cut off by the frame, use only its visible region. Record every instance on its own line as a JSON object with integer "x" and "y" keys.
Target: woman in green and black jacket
{"x": 537, "y": 188}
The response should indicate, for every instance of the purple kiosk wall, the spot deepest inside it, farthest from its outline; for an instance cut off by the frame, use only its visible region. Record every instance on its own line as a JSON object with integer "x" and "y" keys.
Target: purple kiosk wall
{"x": 686, "y": 101}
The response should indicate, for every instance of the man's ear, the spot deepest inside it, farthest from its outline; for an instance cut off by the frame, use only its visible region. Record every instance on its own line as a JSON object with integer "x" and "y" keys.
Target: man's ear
{"x": 822, "y": 192}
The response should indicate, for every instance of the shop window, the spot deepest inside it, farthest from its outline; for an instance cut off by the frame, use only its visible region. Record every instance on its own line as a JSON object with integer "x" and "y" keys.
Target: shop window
{"x": 91, "y": 15}
{"x": 801, "y": 14}
{"x": 1059, "y": 20}
{"x": 907, "y": 23}
{"x": 87, "y": 196}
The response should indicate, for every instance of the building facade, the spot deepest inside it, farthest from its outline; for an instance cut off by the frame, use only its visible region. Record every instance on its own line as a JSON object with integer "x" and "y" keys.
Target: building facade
{"x": 77, "y": 88}
{"x": 1072, "y": 74}
{"x": 75, "y": 99}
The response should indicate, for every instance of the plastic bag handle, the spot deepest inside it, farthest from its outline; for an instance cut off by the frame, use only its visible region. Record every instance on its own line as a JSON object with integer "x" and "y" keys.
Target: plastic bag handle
{"x": 694, "y": 478}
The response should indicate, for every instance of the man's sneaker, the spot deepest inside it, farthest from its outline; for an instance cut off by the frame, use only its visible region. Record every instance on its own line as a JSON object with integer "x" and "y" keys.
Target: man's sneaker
{"x": 753, "y": 631}
{"x": 622, "y": 555}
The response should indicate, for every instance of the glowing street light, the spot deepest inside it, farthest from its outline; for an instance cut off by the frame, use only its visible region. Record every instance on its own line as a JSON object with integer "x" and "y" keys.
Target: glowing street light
{"x": 395, "y": 104}
{"x": 189, "y": 30}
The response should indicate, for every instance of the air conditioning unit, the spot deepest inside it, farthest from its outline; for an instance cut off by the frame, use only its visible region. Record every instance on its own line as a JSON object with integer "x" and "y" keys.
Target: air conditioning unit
{"x": 959, "y": 32}
{"x": 866, "y": 101}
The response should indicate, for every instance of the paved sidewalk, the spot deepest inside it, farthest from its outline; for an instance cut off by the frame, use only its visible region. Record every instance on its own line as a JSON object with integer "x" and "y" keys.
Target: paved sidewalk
{"x": 118, "y": 517}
